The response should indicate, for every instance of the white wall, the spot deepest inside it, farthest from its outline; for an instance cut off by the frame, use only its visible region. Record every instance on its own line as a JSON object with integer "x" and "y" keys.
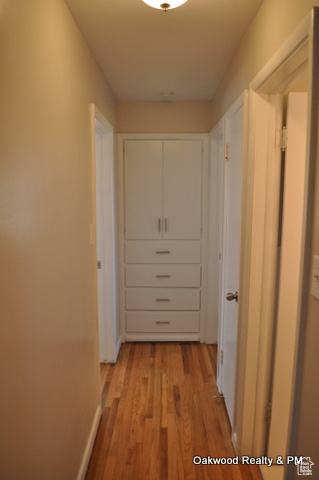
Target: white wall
{"x": 49, "y": 351}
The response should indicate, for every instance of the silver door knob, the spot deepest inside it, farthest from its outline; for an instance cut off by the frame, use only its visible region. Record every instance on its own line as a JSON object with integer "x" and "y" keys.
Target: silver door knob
{"x": 232, "y": 296}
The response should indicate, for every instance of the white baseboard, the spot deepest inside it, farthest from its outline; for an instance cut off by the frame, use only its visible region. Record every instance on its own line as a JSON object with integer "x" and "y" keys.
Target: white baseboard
{"x": 162, "y": 337}
{"x": 234, "y": 440}
{"x": 117, "y": 348}
{"x": 89, "y": 445}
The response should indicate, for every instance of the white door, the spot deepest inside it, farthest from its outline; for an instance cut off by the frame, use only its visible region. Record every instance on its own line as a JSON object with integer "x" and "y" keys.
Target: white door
{"x": 182, "y": 180}
{"x": 143, "y": 189}
{"x": 234, "y": 123}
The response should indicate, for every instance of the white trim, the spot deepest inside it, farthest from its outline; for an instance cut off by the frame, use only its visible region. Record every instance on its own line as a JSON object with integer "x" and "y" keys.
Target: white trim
{"x": 162, "y": 337}
{"x": 104, "y": 186}
{"x": 98, "y": 115}
{"x": 205, "y": 332}
{"x": 241, "y": 102}
{"x": 234, "y": 440}
{"x": 261, "y": 252}
{"x": 215, "y": 226}
{"x": 299, "y": 36}
{"x": 89, "y": 444}
{"x": 117, "y": 350}
{"x": 120, "y": 234}
{"x": 238, "y": 103}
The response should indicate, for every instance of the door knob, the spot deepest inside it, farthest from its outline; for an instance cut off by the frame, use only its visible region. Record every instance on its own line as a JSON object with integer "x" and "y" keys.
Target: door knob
{"x": 232, "y": 296}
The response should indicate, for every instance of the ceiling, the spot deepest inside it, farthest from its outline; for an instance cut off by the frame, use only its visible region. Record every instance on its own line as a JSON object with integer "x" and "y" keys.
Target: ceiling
{"x": 144, "y": 52}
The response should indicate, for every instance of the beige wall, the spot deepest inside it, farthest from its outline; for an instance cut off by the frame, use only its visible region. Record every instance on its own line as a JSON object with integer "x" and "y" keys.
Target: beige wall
{"x": 158, "y": 117}
{"x": 49, "y": 373}
{"x": 274, "y": 22}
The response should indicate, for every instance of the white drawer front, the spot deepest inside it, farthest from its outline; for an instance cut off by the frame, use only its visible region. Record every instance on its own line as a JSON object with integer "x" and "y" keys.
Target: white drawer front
{"x": 163, "y": 251}
{"x": 162, "y": 299}
{"x": 157, "y": 322}
{"x": 163, "y": 276}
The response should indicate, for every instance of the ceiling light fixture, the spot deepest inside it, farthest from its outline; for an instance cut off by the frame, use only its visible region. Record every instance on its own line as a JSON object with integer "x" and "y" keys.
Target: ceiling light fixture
{"x": 164, "y": 6}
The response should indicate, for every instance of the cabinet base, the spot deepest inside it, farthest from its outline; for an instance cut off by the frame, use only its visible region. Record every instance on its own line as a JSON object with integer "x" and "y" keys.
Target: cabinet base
{"x": 162, "y": 337}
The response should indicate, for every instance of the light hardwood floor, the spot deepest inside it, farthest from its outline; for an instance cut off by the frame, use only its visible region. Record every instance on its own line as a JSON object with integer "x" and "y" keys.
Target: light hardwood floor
{"x": 159, "y": 412}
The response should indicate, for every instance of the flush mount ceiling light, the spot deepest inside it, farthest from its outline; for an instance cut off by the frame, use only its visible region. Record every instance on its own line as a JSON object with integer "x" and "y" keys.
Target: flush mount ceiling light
{"x": 164, "y": 6}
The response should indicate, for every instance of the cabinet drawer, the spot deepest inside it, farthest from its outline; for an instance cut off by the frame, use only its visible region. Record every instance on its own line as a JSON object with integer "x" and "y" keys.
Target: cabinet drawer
{"x": 163, "y": 251}
{"x": 162, "y": 299}
{"x": 163, "y": 276}
{"x": 153, "y": 322}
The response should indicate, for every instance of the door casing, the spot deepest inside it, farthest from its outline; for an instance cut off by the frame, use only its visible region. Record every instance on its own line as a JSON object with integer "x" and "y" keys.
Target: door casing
{"x": 232, "y": 181}
{"x": 103, "y": 235}
{"x": 215, "y": 234}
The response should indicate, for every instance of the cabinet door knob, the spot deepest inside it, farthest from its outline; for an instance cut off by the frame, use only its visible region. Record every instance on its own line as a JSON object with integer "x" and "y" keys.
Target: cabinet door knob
{"x": 159, "y": 225}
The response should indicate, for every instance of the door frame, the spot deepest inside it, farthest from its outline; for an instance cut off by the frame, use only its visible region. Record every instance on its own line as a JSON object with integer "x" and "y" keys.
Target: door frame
{"x": 240, "y": 103}
{"x": 290, "y": 59}
{"x": 103, "y": 235}
{"x": 215, "y": 234}
{"x": 216, "y": 263}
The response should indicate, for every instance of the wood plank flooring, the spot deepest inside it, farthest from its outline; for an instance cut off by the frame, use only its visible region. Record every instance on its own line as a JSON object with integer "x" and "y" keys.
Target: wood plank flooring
{"x": 159, "y": 412}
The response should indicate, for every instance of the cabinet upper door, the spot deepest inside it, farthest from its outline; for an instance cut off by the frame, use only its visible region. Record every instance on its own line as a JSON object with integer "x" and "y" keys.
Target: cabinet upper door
{"x": 143, "y": 189}
{"x": 182, "y": 181}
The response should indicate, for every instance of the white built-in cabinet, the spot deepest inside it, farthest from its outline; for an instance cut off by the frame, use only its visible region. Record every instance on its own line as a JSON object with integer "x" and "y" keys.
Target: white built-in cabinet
{"x": 161, "y": 188}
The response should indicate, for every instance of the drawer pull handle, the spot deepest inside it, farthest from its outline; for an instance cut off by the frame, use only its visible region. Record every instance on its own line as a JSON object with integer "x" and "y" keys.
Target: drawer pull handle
{"x": 162, "y": 323}
{"x": 163, "y": 299}
{"x": 163, "y": 276}
{"x": 163, "y": 251}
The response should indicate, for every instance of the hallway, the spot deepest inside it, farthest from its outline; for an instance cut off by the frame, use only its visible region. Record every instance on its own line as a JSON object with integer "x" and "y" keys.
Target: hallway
{"x": 158, "y": 412}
